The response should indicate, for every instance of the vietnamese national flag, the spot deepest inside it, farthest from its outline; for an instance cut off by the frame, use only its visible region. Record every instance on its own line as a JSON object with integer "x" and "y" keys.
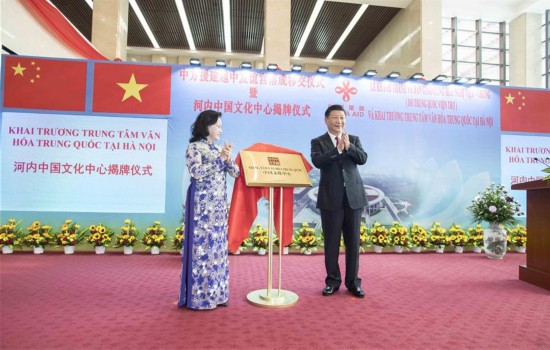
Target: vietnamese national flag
{"x": 524, "y": 110}
{"x": 131, "y": 88}
{"x": 41, "y": 83}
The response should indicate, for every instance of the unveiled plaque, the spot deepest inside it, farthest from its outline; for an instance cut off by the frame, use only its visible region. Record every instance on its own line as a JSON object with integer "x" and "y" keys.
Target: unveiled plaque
{"x": 274, "y": 169}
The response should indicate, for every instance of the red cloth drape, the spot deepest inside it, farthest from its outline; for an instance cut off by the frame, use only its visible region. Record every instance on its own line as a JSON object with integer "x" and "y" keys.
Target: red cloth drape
{"x": 57, "y": 24}
{"x": 244, "y": 209}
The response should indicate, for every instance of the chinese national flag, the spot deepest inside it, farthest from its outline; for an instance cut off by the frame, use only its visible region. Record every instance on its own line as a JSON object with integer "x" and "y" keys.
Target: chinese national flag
{"x": 524, "y": 110}
{"x": 130, "y": 88}
{"x": 40, "y": 83}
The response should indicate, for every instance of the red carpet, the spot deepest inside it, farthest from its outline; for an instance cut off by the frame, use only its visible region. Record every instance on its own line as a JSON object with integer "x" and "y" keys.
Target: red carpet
{"x": 414, "y": 301}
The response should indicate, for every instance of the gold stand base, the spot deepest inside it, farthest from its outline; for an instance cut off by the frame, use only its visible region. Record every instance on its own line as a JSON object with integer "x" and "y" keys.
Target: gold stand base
{"x": 275, "y": 300}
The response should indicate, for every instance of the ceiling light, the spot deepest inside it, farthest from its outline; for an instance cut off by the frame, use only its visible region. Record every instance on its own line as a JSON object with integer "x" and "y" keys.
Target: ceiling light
{"x": 346, "y": 32}
{"x": 440, "y": 77}
{"x": 460, "y": 80}
{"x": 226, "y": 25}
{"x": 309, "y": 25}
{"x": 393, "y": 75}
{"x": 416, "y": 76}
{"x": 246, "y": 65}
{"x": 220, "y": 63}
{"x": 185, "y": 24}
{"x": 296, "y": 68}
{"x": 483, "y": 81}
{"x": 195, "y": 62}
{"x": 272, "y": 66}
{"x": 144, "y": 24}
{"x": 370, "y": 73}
{"x": 322, "y": 69}
{"x": 346, "y": 71}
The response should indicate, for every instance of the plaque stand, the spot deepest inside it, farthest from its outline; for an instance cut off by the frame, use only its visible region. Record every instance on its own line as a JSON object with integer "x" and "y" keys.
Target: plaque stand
{"x": 268, "y": 297}
{"x": 279, "y": 170}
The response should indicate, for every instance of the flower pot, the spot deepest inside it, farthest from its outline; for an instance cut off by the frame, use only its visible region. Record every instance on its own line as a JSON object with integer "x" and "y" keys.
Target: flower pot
{"x": 398, "y": 249}
{"x": 494, "y": 241}
{"x": 417, "y": 249}
{"x": 38, "y": 250}
{"x": 378, "y": 249}
{"x": 261, "y": 251}
{"x": 440, "y": 250}
{"x": 285, "y": 250}
{"x": 459, "y": 249}
{"x": 128, "y": 250}
{"x": 68, "y": 249}
{"x": 238, "y": 251}
{"x": 6, "y": 249}
{"x": 520, "y": 250}
{"x": 476, "y": 249}
{"x": 155, "y": 250}
{"x": 307, "y": 252}
{"x": 100, "y": 249}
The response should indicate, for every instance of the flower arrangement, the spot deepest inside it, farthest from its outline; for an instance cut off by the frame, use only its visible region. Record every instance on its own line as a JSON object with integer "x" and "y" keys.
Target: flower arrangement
{"x": 419, "y": 236}
{"x": 399, "y": 235}
{"x": 38, "y": 235}
{"x": 495, "y": 206}
{"x": 70, "y": 234}
{"x": 438, "y": 236}
{"x": 258, "y": 238}
{"x": 364, "y": 237}
{"x": 177, "y": 241}
{"x": 475, "y": 236}
{"x": 518, "y": 236}
{"x": 458, "y": 236}
{"x": 10, "y": 235}
{"x": 128, "y": 235}
{"x": 100, "y": 235}
{"x": 154, "y": 236}
{"x": 379, "y": 235}
{"x": 305, "y": 239}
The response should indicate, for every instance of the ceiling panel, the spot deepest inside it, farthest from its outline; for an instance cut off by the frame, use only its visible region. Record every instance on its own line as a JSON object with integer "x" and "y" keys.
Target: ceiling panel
{"x": 247, "y": 25}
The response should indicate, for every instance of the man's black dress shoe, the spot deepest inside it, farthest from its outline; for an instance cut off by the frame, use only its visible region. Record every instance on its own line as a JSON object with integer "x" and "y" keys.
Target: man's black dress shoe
{"x": 330, "y": 290}
{"x": 357, "y": 291}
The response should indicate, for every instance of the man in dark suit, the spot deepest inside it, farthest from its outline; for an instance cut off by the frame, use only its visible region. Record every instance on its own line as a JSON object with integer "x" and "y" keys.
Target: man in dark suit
{"x": 341, "y": 198}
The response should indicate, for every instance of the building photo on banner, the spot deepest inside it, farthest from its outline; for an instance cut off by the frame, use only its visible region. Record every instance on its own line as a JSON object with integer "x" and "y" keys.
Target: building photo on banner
{"x": 106, "y": 140}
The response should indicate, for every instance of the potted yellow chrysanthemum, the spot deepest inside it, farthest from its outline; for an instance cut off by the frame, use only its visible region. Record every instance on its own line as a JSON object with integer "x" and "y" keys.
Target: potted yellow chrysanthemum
{"x": 419, "y": 238}
{"x": 127, "y": 237}
{"x": 518, "y": 238}
{"x": 475, "y": 238}
{"x": 99, "y": 236}
{"x": 438, "y": 237}
{"x": 10, "y": 236}
{"x": 69, "y": 236}
{"x": 458, "y": 237}
{"x": 154, "y": 238}
{"x": 400, "y": 236}
{"x": 379, "y": 237}
{"x": 306, "y": 239}
{"x": 38, "y": 237}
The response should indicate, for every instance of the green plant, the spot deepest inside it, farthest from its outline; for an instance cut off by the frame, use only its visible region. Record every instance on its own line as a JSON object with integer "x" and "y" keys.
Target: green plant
{"x": 399, "y": 235}
{"x": 495, "y": 205}
{"x": 177, "y": 241}
{"x": 518, "y": 236}
{"x": 438, "y": 236}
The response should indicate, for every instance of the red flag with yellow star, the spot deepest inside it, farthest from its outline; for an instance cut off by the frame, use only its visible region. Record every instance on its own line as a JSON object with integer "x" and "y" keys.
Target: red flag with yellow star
{"x": 131, "y": 88}
{"x": 41, "y": 83}
{"x": 524, "y": 110}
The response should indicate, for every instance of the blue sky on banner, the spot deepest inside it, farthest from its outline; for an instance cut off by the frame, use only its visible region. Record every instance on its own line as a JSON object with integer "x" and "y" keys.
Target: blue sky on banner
{"x": 431, "y": 146}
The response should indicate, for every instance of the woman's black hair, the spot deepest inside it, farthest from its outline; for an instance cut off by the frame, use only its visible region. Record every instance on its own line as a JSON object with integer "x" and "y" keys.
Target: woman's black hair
{"x": 199, "y": 129}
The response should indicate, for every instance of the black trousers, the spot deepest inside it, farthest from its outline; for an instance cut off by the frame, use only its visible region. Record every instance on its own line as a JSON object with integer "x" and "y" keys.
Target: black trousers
{"x": 345, "y": 221}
